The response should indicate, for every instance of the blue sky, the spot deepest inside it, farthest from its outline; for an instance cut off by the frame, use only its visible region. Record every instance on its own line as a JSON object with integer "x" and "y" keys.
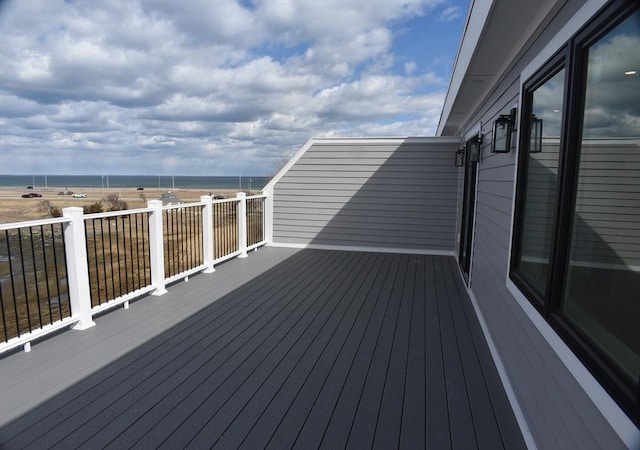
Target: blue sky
{"x": 217, "y": 87}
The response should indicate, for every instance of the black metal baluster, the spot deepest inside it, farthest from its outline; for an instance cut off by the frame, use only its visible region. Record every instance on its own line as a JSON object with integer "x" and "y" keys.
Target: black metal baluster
{"x": 172, "y": 244}
{"x": 35, "y": 276}
{"x": 118, "y": 257}
{"x": 104, "y": 260}
{"x": 200, "y": 232}
{"x": 224, "y": 231}
{"x": 217, "y": 239}
{"x": 113, "y": 280}
{"x": 231, "y": 206}
{"x": 4, "y": 319}
{"x": 46, "y": 272}
{"x": 95, "y": 259}
{"x": 55, "y": 266}
{"x": 88, "y": 255}
{"x": 169, "y": 246}
{"x": 170, "y": 241}
{"x": 133, "y": 278}
{"x": 183, "y": 237}
{"x": 176, "y": 241}
{"x": 186, "y": 238}
{"x": 190, "y": 231}
{"x": 236, "y": 223}
{"x": 66, "y": 267}
{"x": 124, "y": 251}
{"x": 87, "y": 233}
{"x": 145, "y": 233}
{"x": 24, "y": 279}
{"x": 137, "y": 217}
{"x": 249, "y": 219}
{"x": 13, "y": 283}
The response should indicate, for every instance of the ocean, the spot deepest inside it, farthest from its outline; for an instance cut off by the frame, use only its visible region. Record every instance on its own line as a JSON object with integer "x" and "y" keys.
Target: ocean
{"x": 133, "y": 181}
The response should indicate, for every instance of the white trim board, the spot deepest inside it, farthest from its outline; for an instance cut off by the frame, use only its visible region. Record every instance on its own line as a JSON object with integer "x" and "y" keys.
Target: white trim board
{"x": 356, "y": 248}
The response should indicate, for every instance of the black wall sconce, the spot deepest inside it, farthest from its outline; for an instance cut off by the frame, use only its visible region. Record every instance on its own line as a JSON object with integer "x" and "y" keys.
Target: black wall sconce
{"x": 535, "y": 145}
{"x": 474, "y": 146}
{"x": 459, "y": 157}
{"x": 502, "y": 129}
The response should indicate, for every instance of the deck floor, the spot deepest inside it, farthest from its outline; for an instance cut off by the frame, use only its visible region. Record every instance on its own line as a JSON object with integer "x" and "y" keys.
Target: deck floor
{"x": 286, "y": 349}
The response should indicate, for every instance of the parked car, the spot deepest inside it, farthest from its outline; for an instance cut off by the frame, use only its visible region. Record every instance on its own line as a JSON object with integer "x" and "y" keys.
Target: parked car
{"x": 31, "y": 195}
{"x": 79, "y": 195}
{"x": 140, "y": 189}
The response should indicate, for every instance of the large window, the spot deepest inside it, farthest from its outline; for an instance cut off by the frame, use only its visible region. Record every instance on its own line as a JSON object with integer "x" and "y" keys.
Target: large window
{"x": 541, "y": 175}
{"x": 576, "y": 247}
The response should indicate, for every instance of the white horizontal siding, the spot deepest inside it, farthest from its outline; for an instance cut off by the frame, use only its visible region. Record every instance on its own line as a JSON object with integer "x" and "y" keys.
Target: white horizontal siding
{"x": 370, "y": 193}
{"x": 558, "y": 411}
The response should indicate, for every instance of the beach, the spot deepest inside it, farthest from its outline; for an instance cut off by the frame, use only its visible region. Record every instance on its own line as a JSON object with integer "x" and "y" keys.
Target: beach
{"x": 14, "y": 208}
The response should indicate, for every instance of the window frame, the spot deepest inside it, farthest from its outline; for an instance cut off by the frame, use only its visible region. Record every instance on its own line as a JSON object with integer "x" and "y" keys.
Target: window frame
{"x": 573, "y": 57}
{"x": 548, "y": 71}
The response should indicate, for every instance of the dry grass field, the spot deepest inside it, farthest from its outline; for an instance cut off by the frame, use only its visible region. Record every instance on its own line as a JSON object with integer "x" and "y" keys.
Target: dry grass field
{"x": 14, "y": 208}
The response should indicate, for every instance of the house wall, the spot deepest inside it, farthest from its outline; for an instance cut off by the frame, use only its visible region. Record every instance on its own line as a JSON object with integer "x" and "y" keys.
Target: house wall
{"x": 558, "y": 410}
{"x": 376, "y": 193}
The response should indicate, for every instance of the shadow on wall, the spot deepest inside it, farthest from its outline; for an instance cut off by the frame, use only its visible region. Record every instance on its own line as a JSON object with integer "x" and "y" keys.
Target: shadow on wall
{"x": 377, "y": 194}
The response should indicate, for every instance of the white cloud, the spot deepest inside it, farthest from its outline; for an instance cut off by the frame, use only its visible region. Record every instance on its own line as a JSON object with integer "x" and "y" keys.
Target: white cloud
{"x": 450, "y": 14}
{"x": 207, "y": 87}
{"x": 410, "y": 67}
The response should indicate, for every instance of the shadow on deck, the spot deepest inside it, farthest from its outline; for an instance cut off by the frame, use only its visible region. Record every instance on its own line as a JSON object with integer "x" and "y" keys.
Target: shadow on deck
{"x": 320, "y": 349}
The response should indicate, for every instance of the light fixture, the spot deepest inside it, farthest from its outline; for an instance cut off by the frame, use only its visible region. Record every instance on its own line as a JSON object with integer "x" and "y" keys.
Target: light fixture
{"x": 502, "y": 129}
{"x": 474, "y": 146}
{"x": 459, "y": 162}
{"x": 535, "y": 134}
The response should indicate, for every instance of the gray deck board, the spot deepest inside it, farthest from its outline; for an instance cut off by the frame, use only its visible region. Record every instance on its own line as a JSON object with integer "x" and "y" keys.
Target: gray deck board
{"x": 285, "y": 349}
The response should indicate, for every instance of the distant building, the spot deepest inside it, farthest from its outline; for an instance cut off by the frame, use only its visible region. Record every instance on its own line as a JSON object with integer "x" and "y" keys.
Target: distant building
{"x": 170, "y": 199}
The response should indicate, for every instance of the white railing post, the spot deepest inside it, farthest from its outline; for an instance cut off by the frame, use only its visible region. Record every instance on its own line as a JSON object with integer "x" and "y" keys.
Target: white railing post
{"x": 268, "y": 215}
{"x": 156, "y": 247}
{"x": 242, "y": 224}
{"x": 77, "y": 268}
{"x": 208, "y": 234}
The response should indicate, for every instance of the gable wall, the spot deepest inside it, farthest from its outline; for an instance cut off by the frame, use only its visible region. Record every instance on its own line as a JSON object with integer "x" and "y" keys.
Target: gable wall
{"x": 382, "y": 194}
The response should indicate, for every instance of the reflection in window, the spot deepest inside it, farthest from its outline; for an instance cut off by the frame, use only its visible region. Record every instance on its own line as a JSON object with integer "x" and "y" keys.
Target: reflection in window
{"x": 602, "y": 288}
{"x": 541, "y": 184}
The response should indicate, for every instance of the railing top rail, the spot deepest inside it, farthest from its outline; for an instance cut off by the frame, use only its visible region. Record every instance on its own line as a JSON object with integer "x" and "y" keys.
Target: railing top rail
{"x": 182, "y": 205}
{"x": 226, "y": 200}
{"x": 123, "y": 212}
{"x": 33, "y": 223}
{"x": 256, "y": 196}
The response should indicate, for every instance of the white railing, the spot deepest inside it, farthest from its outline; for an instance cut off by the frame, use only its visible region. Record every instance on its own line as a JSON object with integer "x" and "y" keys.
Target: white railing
{"x": 114, "y": 257}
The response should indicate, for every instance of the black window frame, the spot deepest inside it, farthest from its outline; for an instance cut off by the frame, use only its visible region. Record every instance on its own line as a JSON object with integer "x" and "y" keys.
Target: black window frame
{"x": 573, "y": 58}
{"x": 557, "y": 63}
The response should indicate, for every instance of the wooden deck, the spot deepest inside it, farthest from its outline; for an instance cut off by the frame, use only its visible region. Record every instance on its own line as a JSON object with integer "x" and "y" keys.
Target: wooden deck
{"x": 303, "y": 349}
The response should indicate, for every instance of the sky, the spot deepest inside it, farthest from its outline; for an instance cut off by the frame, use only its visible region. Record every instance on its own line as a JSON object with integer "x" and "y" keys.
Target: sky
{"x": 214, "y": 87}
